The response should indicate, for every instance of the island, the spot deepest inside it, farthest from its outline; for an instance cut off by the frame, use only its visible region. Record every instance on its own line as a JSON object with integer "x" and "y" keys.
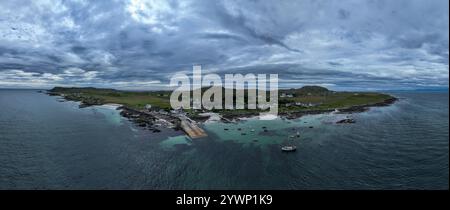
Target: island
{"x": 151, "y": 109}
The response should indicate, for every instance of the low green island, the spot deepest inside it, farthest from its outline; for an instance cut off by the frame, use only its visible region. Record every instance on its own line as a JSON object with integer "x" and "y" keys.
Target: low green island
{"x": 308, "y": 98}
{"x": 147, "y": 107}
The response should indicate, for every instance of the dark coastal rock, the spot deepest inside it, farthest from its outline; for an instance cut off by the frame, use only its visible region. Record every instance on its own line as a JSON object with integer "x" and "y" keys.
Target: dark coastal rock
{"x": 354, "y": 109}
{"x": 199, "y": 118}
{"x": 346, "y": 121}
{"x": 83, "y": 105}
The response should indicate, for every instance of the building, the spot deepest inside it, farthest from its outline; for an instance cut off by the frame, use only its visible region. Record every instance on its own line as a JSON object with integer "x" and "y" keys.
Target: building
{"x": 303, "y": 104}
{"x": 284, "y": 95}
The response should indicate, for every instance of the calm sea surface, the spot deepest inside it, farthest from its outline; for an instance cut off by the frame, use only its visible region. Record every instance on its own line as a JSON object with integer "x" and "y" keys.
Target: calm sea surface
{"x": 47, "y": 144}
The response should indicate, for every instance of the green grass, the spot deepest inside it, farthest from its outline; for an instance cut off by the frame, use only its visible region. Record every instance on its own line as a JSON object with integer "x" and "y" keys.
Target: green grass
{"x": 353, "y": 99}
{"x": 137, "y": 100}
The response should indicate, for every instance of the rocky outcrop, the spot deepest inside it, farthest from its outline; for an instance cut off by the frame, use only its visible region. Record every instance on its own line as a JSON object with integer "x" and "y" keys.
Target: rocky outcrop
{"x": 346, "y": 121}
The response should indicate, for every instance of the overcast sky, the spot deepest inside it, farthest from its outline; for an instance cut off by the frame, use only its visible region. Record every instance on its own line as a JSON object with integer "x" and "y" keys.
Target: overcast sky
{"x": 138, "y": 44}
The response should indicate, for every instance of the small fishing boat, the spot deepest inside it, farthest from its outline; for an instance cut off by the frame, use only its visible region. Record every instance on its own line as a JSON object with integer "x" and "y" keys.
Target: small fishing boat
{"x": 289, "y": 145}
{"x": 289, "y": 148}
{"x": 252, "y": 130}
{"x": 298, "y": 134}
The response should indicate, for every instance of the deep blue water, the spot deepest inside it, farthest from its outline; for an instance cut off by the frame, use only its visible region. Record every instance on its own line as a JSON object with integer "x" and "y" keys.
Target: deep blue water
{"x": 46, "y": 144}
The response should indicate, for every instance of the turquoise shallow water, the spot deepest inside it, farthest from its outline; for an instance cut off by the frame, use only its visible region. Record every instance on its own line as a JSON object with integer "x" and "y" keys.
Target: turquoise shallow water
{"x": 46, "y": 144}
{"x": 261, "y": 133}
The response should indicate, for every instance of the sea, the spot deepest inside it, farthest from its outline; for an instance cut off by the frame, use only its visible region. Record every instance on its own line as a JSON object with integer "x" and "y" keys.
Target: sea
{"x": 48, "y": 143}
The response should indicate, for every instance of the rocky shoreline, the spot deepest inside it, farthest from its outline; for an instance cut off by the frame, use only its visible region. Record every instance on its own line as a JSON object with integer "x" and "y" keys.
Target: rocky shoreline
{"x": 298, "y": 114}
{"x": 150, "y": 120}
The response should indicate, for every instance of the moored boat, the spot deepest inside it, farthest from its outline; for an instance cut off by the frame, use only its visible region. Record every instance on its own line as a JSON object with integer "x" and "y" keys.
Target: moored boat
{"x": 289, "y": 148}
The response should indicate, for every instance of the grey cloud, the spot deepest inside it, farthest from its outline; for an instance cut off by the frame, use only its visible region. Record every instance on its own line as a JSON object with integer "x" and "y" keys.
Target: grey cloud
{"x": 343, "y": 14}
{"x": 344, "y": 44}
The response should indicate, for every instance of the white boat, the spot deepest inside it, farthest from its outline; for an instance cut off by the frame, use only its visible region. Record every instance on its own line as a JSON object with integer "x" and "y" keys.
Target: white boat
{"x": 289, "y": 148}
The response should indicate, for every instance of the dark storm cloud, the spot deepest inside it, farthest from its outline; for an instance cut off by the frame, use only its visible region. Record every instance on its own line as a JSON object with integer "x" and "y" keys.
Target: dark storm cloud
{"x": 140, "y": 44}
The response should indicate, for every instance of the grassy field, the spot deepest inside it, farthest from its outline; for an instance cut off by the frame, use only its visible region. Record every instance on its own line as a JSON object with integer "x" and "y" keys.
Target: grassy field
{"x": 316, "y": 98}
{"x": 341, "y": 99}
{"x": 135, "y": 100}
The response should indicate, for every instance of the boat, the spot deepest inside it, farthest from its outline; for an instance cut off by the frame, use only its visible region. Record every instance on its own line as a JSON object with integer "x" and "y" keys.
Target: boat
{"x": 298, "y": 134}
{"x": 289, "y": 148}
{"x": 252, "y": 130}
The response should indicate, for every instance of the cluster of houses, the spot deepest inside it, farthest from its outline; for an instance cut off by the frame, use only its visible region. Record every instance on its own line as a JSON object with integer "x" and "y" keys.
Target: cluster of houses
{"x": 288, "y": 95}
{"x": 302, "y": 104}
{"x": 151, "y": 108}
{"x": 285, "y": 95}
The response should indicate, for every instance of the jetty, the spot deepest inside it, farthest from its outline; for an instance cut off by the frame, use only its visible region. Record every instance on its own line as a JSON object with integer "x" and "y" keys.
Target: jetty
{"x": 191, "y": 128}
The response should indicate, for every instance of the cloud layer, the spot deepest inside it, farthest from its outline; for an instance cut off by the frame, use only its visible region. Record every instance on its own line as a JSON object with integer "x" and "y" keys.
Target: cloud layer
{"x": 137, "y": 44}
